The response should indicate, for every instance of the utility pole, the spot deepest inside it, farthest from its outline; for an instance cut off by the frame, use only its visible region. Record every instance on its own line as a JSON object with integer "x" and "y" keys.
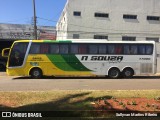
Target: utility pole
{"x": 35, "y": 20}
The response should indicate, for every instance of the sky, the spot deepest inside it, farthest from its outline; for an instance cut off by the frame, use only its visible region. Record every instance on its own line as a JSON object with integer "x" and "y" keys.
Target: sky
{"x": 21, "y": 11}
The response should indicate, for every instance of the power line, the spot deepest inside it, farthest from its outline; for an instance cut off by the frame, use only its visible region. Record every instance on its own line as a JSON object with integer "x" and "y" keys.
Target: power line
{"x": 80, "y": 32}
{"x": 91, "y": 27}
{"x": 47, "y": 19}
{"x": 119, "y": 32}
{"x": 135, "y": 32}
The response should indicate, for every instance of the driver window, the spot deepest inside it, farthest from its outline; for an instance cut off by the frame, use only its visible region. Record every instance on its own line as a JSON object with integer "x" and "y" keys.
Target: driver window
{"x": 17, "y": 54}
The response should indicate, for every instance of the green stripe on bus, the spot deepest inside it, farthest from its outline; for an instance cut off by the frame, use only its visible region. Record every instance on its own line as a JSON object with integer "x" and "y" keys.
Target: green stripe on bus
{"x": 50, "y": 41}
{"x": 56, "y": 41}
{"x": 67, "y": 41}
{"x": 67, "y": 62}
{"x": 59, "y": 62}
{"x": 75, "y": 63}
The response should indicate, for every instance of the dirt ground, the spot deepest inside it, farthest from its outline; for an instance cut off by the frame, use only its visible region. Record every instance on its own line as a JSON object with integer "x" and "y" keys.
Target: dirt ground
{"x": 128, "y": 104}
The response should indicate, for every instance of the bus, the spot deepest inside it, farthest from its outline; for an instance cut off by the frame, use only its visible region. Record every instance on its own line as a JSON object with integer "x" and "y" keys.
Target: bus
{"x": 37, "y": 58}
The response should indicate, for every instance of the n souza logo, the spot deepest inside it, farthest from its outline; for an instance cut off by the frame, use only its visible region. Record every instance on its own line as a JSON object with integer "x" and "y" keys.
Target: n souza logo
{"x": 103, "y": 58}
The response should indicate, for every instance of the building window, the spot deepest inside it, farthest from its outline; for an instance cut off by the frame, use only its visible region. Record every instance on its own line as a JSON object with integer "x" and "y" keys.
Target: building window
{"x": 152, "y": 39}
{"x": 130, "y": 16}
{"x": 104, "y": 15}
{"x": 127, "y": 38}
{"x": 75, "y": 36}
{"x": 100, "y": 37}
{"x": 77, "y": 13}
{"x": 156, "y": 18}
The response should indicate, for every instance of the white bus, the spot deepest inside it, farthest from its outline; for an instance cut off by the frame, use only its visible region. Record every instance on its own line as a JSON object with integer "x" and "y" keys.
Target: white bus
{"x": 81, "y": 58}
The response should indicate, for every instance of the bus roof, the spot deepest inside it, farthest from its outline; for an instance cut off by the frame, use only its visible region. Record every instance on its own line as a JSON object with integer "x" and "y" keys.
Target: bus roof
{"x": 85, "y": 41}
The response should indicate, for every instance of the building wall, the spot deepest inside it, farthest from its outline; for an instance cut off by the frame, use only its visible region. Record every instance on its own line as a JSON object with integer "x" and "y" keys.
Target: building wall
{"x": 158, "y": 65}
{"x": 62, "y": 24}
{"x": 115, "y": 26}
{"x": 62, "y": 27}
{"x": 158, "y": 57}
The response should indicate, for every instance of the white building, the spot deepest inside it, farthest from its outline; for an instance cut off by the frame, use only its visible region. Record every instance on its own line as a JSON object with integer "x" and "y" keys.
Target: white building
{"x": 133, "y": 20}
{"x": 110, "y": 19}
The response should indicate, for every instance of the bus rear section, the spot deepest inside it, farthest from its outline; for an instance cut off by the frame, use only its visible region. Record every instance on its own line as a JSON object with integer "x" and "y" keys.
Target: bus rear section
{"x": 121, "y": 59}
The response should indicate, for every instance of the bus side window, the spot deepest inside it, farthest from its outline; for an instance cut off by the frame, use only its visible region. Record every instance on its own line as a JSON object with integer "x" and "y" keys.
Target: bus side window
{"x": 74, "y": 49}
{"x": 141, "y": 49}
{"x": 44, "y": 48}
{"x": 111, "y": 49}
{"x": 149, "y": 49}
{"x": 102, "y": 49}
{"x": 134, "y": 50}
{"x": 82, "y": 49}
{"x": 126, "y": 50}
{"x": 118, "y": 49}
{"x": 93, "y": 49}
{"x": 54, "y": 49}
{"x": 63, "y": 49}
{"x": 35, "y": 48}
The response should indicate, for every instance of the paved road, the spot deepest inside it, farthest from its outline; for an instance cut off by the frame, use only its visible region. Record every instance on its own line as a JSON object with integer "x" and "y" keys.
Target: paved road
{"x": 8, "y": 83}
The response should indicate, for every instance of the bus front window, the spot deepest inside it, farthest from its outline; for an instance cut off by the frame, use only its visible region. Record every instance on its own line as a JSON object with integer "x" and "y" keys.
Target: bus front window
{"x": 17, "y": 54}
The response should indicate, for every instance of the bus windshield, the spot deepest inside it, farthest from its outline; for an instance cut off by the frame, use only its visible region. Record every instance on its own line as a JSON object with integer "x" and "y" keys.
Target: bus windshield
{"x": 17, "y": 54}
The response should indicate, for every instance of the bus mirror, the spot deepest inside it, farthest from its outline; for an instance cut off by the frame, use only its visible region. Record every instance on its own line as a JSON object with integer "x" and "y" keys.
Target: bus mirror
{"x": 5, "y": 52}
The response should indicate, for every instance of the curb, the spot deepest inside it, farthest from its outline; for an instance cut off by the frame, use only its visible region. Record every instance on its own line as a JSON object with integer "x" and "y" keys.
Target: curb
{"x": 3, "y": 74}
{"x": 158, "y": 74}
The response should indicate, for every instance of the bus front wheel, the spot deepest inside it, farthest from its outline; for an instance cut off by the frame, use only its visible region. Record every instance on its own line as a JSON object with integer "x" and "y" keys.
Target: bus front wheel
{"x": 36, "y": 73}
{"x": 114, "y": 73}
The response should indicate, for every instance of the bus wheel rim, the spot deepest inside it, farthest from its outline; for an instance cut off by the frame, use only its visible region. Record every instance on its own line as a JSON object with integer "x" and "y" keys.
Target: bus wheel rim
{"x": 114, "y": 73}
{"x": 36, "y": 73}
{"x": 128, "y": 73}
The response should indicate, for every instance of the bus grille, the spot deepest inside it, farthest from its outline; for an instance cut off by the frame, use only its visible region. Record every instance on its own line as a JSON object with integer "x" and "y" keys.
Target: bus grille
{"x": 146, "y": 68}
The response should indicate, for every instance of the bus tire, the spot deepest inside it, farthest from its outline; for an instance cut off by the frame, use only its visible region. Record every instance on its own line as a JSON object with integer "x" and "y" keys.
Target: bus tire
{"x": 114, "y": 73}
{"x": 128, "y": 73}
{"x": 36, "y": 73}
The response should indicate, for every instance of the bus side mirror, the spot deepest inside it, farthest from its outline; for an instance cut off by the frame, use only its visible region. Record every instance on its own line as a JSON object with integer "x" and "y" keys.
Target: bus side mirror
{"x": 5, "y": 52}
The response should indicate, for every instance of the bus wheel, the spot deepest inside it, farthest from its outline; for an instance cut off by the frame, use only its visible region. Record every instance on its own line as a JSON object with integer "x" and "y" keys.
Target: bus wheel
{"x": 114, "y": 73}
{"x": 36, "y": 73}
{"x": 128, "y": 72}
